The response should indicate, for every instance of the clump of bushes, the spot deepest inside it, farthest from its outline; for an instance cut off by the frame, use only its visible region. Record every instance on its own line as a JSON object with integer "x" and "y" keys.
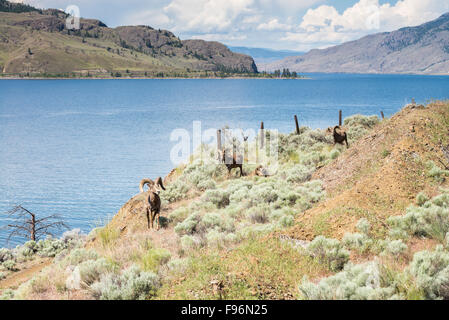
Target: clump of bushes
{"x": 153, "y": 258}
{"x": 436, "y": 172}
{"x": 359, "y": 125}
{"x": 355, "y": 282}
{"x": 431, "y": 219}
{"x": 330, "y": 252}
{"x": 431, "y": 271}
{"x": 131, "y": 284}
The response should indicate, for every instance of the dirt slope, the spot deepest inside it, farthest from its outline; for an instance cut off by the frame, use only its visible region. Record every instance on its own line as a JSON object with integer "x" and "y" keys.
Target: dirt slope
{"x": 380, "y": 175}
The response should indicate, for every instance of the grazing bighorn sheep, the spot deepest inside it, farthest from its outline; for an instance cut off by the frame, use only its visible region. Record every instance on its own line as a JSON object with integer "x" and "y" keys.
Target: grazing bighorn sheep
{"x": 153, "y": 201}
{"x": 261, "y": 172}
{"x": 339, "y": 134}
{"x": 237, "y": 161}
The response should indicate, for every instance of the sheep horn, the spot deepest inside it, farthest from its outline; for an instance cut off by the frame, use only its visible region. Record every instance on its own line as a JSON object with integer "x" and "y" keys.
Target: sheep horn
{"x": 159, "y": 182}
{"x": 144, "y": 182}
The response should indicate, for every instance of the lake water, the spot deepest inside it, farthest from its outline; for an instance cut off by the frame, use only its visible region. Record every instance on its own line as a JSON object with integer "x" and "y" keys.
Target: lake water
{"x": 79, "y": 148}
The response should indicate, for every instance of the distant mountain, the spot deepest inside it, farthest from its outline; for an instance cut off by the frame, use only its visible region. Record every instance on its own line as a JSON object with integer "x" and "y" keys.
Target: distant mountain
{"x": 37, "y": 42}
{"x": 262, "y": 55}
{"x": 422, "y": 50}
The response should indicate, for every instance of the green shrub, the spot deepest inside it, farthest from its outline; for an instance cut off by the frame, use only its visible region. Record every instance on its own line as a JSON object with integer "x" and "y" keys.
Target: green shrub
{"x": 91, "y": 270}
{"x": 357, "y": 241}
{"x": 179, "y": 214}
{"x": 131, "y": 284}
{"x": 436, "y": 172}
{"x": 395, "y": 247}
{"x": 154, "y": 258}
{"x": 431, "y": 219}
{"x": 79, "y": 255}
{"x": 5, "y": 255}
{"x": 421, "y": 199}
{"x": 9, "y": 265}
{"x": 189, "y": 242}
{"x": 189, "y": 225}
{"x": 329, "y": 251}
{"x": 359, "y": 125}
{"x": 219, "y": 198}
{"x": 175, "y": 191}
{"x": 431, "y": 270}
{"x": 355, "y": 282}
{"x": 299, "y": 174}
{"x": 7, "y": 294}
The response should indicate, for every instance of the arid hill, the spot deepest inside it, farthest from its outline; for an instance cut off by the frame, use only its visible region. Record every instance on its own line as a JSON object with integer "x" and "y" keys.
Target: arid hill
{"x": 38, "y": 41}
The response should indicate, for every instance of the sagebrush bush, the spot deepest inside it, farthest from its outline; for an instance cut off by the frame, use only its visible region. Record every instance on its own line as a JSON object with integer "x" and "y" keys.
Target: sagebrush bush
{"x": 91, "y": 270}
{"x": 9, "y": 265}
{"x": 421, "y": 199}
{"x": 131, "y": 284}
{"x": 431, "y": 219}
{"x": 179, "y": 214}
{"x": 154, "y": 258}
{"x": 220, "y": 198}
{"x": 395, "y": 247}
{"x": 189, "y": 225}
{"x": 329, "y": 252}
{"x": 259, "y": 214}
{"x": 5, "y": 255}
{"x": 355, "y": 282}
{"x": 359, "y": 125}
{"x": 79, "y": 255}
{"x": 436, "y": 172}
{"x": 357, "y": 241}
{"x": 431, "y": 271}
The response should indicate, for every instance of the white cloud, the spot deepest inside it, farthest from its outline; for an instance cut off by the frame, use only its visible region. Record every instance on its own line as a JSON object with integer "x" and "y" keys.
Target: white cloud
{"x": 273, "y": 25}
{"x": 206, "y": 15}
{"x": 325, "y": 25}
{"x": 220, "y": 37}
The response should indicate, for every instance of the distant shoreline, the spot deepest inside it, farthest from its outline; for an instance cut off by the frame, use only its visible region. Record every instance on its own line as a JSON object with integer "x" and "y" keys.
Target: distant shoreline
{"x": 151, "y": 78}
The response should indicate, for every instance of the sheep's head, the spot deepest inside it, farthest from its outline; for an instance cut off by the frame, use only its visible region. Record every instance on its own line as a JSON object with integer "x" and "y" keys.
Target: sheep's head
{"x": 155, "y": 187}
{"x": 158, "y": 186}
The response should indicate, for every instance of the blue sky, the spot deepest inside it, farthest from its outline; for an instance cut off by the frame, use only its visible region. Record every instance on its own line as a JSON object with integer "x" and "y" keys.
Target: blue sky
{"x": 277, "y": 24}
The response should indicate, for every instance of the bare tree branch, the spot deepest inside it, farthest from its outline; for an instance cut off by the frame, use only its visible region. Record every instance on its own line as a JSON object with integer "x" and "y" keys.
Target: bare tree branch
{"x": 27, "y": 226}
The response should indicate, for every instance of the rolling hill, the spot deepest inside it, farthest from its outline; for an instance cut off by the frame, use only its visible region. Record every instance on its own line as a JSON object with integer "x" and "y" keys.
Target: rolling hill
{"x": 422, "y": 49}
{"x": 34, "y": 41}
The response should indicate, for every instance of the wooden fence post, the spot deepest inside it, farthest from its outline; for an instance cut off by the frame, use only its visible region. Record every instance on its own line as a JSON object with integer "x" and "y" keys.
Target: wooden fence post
{"x": 262, "y": 134}
{"x": 340, "y": 118}
{"x": 297, "y": 125}
{"x": 382, "y": 114}
{"x": 219, "y": 140}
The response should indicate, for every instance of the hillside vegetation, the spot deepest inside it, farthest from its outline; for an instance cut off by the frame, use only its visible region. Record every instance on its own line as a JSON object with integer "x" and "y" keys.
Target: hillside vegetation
{"x": 37, "y": 43}
{"x": 367, "y": 222}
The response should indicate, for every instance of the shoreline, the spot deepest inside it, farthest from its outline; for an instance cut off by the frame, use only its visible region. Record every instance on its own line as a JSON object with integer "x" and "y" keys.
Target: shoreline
{"x": 151, "y": 78}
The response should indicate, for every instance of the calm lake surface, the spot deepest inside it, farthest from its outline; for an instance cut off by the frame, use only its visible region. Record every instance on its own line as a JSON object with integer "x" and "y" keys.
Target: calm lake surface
{"x": 79, "y": 148}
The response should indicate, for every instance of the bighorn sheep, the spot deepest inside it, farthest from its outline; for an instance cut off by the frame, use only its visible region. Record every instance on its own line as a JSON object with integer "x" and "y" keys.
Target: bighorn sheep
{"x": 261, "y": 172}
{"x": 237, "y": 161}
{"x": 153, "y": 201}
{"x": 339, "y": 134}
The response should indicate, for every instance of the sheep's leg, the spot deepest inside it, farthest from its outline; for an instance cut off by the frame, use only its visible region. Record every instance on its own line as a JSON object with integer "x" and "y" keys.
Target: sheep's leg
{"x": 157, "y": 221}
{"x": 346, "y": 140}
{"x": 148, "y": 216}
{"x": 241, "y": 171}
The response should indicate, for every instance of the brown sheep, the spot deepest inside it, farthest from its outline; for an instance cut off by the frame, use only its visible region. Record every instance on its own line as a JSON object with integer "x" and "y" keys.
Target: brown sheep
{"x": 235, "y": 162}
{"x": 153, "y": 201}
{"x": 339, "y": 134}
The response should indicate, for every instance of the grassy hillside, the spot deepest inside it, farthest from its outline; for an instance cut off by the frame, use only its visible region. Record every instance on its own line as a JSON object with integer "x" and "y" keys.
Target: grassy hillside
{"x": 37, "y": 43}
{"x": 368, "y": 222}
